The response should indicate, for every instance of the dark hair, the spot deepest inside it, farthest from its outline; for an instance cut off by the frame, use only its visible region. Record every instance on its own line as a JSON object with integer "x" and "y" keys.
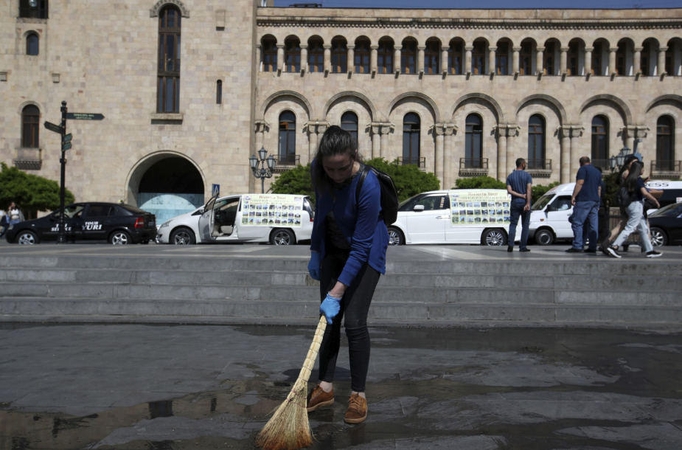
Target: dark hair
{"x": 335, "y": 141}
{"x": 584, "y": 160}
{"x": 519, "y": 162}
{"x": 634, "y": 173}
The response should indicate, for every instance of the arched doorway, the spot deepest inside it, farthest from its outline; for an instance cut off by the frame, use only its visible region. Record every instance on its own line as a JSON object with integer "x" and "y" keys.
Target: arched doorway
{"x": 166, "y": 185}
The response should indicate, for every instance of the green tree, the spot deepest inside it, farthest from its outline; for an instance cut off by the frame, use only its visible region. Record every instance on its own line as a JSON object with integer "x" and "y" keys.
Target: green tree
{"x": 482, "y": 182}
{"x": 540, "y": 190}
{"x": 31, "y": 193}
{"x": 408, "y": 179}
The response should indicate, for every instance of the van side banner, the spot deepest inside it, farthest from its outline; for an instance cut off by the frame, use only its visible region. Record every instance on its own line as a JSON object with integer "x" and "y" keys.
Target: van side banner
{"x": 479, "y": 206}
{"x": 272, "y": 209}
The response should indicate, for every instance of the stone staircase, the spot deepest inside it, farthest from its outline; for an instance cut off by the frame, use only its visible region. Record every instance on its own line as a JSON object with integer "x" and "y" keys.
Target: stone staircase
{"x": 424, "y": 286}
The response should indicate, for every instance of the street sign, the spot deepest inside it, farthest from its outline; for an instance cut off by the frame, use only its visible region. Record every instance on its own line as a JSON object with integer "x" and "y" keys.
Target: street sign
{"x": 84, "y": 116}
{"x": 67, "y": 138}
{"x": 52, "y": 127}
{"x": 66, "y": 146}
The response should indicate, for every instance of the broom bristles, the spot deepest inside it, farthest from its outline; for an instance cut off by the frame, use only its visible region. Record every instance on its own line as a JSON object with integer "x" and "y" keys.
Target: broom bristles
{"x": 288, "y": 428}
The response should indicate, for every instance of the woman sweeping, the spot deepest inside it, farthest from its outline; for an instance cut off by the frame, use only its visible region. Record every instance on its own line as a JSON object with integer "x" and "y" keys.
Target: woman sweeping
{"x": 348, "y": 255}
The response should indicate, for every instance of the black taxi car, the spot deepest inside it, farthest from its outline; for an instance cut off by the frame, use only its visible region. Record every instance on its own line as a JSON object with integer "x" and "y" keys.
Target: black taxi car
{"x": 118, "y": 224}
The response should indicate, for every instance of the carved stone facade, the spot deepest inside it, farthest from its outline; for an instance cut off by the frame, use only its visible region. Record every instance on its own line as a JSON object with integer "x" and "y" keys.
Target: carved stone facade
{"x": 459, "y": 92}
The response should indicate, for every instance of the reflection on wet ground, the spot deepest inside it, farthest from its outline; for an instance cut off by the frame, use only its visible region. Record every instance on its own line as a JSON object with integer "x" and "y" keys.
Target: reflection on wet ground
{"x": 212, "y": 387}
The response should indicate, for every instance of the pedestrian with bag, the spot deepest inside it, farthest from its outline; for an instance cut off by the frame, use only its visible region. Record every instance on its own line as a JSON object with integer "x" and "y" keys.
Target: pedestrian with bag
{"x": 632, "y": 194}
{"x": 519, "y": 186}
{"x": 15, "y": 214}
{"x": 348, "y": 255}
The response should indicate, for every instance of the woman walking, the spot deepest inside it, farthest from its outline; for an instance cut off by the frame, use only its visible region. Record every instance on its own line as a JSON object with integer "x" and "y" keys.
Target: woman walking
{"x": 348, "y": 255}
{"x": 635, "y": 213}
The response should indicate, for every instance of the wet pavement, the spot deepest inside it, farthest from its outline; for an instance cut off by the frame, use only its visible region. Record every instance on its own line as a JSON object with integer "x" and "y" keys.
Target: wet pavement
{"x": 158, "y": 387}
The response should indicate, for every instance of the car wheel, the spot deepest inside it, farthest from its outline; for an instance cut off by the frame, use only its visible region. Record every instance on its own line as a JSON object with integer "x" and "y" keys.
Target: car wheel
{"x": 27, "y": 238}
{"x": 119, "y": 237}
{"x": 658, "y": 237}
{"x": 395, "y": 236}
{"x": 182, "y": 236}
{"x": 544, "y": 237}
{"x": 282, "y": 236}
{"x": 494, "y": 237}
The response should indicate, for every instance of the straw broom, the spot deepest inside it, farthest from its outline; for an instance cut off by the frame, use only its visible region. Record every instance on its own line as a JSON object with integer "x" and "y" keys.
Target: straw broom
{"x": 288, "y": 428}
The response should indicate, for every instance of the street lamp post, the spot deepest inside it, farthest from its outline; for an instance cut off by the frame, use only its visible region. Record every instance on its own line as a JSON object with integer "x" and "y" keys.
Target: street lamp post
{"x": 262, "y": 167}
{"x": 617, "y": 161}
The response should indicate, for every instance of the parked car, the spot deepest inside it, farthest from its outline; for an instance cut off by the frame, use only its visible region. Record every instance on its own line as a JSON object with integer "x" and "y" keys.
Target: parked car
{"x": 549, "y": 215}
{"x": 666, "y": 225}
{"x": 278, "y": 219}
{"x": 458, "y": 216}
{"x": 118, "y": 224}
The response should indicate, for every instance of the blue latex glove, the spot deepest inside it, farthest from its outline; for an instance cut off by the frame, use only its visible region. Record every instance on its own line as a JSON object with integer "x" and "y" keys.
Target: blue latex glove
{"x": 330, "y": 307}
{"x": 314, "y": 266}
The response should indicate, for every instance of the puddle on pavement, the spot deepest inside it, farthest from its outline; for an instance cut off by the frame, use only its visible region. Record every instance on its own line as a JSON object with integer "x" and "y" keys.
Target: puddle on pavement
{"x": 401, "y": 409}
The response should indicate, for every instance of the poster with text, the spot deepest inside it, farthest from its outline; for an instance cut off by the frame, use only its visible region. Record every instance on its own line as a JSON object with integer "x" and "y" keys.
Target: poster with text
{"x": 479, "y": 206}
{"x": 271, "y": 210}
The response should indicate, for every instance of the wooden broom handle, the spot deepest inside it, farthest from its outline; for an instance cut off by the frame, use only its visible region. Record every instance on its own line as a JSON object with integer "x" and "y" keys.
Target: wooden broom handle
{"x": 313, "y": 350}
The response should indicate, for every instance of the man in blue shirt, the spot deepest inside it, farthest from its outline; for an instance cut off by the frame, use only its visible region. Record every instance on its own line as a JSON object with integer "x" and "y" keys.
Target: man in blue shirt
{"x": 585, "y": 201}
{"x": 519, "y": 184}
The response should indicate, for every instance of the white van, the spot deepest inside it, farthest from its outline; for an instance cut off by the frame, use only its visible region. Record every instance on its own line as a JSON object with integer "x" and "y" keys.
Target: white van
{"x": 278, "y": 219}
{"x": 458, "y": 216}
{"x": 549, "y": 215}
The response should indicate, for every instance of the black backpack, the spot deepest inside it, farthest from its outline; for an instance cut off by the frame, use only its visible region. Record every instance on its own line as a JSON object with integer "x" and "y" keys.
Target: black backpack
{"x": 389, "y": 194}
{"x": 625, "y": 197}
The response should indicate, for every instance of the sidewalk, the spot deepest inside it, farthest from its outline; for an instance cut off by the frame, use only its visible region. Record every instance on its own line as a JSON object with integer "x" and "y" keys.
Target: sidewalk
{"x": 211, "y": 387}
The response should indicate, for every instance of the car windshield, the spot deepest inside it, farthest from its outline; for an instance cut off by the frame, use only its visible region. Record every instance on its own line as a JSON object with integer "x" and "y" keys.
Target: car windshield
{"x": 672, "y": 210}
{"x": 408, "y": 205}
{"x": 540, "y": 204}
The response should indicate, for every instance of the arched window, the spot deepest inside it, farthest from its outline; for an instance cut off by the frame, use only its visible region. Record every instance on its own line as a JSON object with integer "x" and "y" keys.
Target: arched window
{"x": 502, "y": 58}
{"x": 315, "y": 55}
{"x": 673, "y": 57}
{"x": 598, "y": 58}
{"x": 408, "y": 56}
{"x": 385, "y": 55}
{"x": 624, "y": 58}
{"x": 665, "y": 143}
{"x": 473, "y": 147}
{"x": 292, "y": 54}
{"x": 526, "y": 57}
{"x": 647, "y": 60}
{"x": 432, "y": 57}
{"x": 361, "y": 58}
{"x": 349, "y": 122}
{"x": 574, "y": 66}
{"x": 600, "y": 141}
{"x": 456, "y": 57}
{"x": 269, "y": 53}
{"x": 478, "y": 57}
{"x": 549, "y": 58}
{"x": 219, "y": 92}
{"x": 30, "y": 126}
{"x": 411, "y": 138}
{"x": 339, "y": 55}
{"x": 536, "y": 142}
{"x": 287, "y": 138}
{"x": 168, "y": 71}
{"x": 32, "y": 44}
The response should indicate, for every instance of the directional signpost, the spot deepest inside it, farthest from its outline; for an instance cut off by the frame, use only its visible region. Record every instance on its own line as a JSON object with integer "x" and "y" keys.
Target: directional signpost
{"x": 66, "y": 145}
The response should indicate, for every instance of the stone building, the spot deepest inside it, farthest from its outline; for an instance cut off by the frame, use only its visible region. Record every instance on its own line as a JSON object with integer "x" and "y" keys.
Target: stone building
{"x": 459, "y": 93}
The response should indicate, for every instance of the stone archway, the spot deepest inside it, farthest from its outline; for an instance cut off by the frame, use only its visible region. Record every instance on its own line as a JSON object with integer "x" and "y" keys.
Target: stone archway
{"x": 167, "y": 185}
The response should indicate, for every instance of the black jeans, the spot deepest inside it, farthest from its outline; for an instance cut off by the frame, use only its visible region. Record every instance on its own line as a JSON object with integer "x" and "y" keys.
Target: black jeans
{"x": 354, "y": 309}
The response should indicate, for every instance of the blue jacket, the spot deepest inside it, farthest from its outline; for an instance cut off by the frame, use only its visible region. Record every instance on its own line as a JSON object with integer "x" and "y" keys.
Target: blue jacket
{"x": 359, "y": 222}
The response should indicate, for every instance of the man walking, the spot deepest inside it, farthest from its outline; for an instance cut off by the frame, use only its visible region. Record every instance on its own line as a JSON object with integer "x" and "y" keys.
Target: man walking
{"x": 585, "y": 201}
{"x": 519, "y": 184}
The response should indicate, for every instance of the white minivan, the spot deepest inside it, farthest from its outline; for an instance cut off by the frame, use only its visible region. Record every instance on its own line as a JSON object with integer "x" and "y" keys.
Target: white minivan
{"x": 549, "y": 215}
{"x": 457, "y": 216}
{"x": 278, "y": 219}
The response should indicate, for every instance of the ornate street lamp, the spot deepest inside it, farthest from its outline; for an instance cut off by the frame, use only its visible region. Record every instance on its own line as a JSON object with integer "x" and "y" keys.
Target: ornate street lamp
{"x": 617, "y": 161}
{"x": 262, "y": 167}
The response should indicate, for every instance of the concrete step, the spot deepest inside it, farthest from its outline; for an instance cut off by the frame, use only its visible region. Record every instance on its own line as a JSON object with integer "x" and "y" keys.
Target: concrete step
{"x": 267, "y": 288}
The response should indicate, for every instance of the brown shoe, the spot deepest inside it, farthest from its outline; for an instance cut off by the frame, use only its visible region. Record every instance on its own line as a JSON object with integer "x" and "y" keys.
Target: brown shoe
{"x": 357, "y": 409}
{"x": 318, "y": 398}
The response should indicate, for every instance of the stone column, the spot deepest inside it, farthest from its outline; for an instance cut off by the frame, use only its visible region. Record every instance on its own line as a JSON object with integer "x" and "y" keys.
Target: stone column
{"x": 385, "y": 130}
{"x": 563, "y": 58}
{"x": 350, "y": 64}
{"x": 638, "y": 61}
{"x": 396, "y": 58}
{"x": 491, "y": 60}
{"x": 304, "y": 58}
{"x": 438, "y": 160}
{"x": 443, "y": 60}
{"x": 314, "y": 129}
{"x": 501, "y": 132}
{"x": 260, "y": 127}
{"x": 259, "y": 57}
{"x": 569, "y": 152}
{"x": 376, "y": 140}
{"x": 468, "y": 63}
{"x": 373, "y": 59}
{"x": 420, "y": 59}
{"x": 539, "y": 61}
{"x": 449, "y": 160}
{"x": 516, "y": 63}
{"x": 612, "y": 61}
{"x": 588, "y": 61}
{"x": 327, "y": 58}
{"x": 280, "y": 57}
{"x": 660, "y": 69}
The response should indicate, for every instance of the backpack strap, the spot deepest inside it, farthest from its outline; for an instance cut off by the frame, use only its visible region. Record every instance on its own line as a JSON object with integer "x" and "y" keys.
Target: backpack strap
{"x": 363, "y": 175}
